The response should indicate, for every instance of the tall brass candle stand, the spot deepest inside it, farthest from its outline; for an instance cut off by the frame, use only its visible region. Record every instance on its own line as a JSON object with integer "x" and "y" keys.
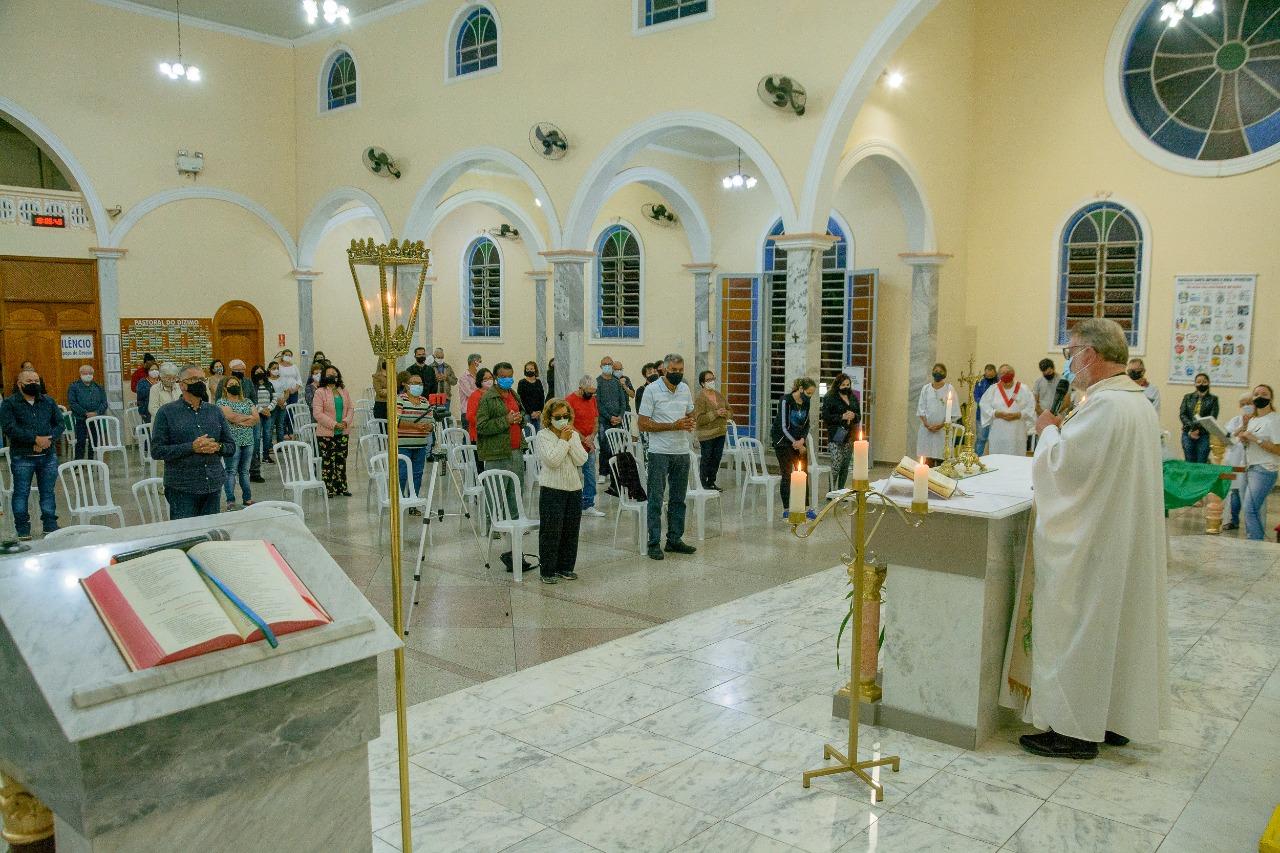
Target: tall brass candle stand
{"x": 854, "y": 507}
{"x": 390, "y": 335}
{"x": 964, "y": 462}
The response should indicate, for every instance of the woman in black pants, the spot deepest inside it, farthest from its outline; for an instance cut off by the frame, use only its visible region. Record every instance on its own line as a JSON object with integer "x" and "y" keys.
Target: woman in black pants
{"x": 560, "y": 460}
{"x": 790, "y": 436}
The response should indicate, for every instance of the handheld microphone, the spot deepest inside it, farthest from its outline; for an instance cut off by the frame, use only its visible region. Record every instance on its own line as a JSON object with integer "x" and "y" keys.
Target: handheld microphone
{"x": 215, "y": 535}
{"x": 1059, "y": 395}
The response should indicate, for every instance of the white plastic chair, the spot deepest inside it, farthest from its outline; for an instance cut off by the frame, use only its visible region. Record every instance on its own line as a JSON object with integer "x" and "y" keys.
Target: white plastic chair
{"x": 6, "y": 477}
{"x": 142, "y": 440}
{"x": 631, "y": 423}
{"x": 371, "y": 446}
{"x": 734, "y": 455}
{"x": 530, "y": 431}
{"x": 148, "y": 494}
{"x": 499, "y": 489}
{"x": 619, "y": 440}
{"x": 299, "y": 415}
{"x": 409, "y": 498}
{"x": 307, "y": 432}
{"x": 462, "y": 470}
{"x": 816, "y": 472}
{"x": 74, "y": 530}
{"x": 532, "y": 468}
{"x": 289, "y": 506}
{"x": 86, "y": 487}
{"x": 757, "y": 476}
{"x": 626, "y": 504}
{"x": 104, "y": 437}
{"x": 700, "y": 497}
{"x": 454, "y": 437}
{"x": 132, "y": 419}
{"x": 297, "y": 472}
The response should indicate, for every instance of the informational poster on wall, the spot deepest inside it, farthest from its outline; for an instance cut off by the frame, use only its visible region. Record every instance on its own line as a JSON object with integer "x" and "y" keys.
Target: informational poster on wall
{"x": 1212, "y": 320}
{"x": 180, "y": 340}
{"x": 77, "y": 347}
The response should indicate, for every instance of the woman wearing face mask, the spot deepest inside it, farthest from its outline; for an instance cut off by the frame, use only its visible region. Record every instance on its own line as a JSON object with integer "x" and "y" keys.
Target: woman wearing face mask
{"x": 309, "y": 393}
{"x": 932, "y": 411}
{"x": 216, "y": 371}
{"x": 417, "y": 428}
{"x": 711, "y": 425}
{"x": 144, "y": 392}
{"x": 290, "y": 380}
{"x": 1235, "y": 457}
{"x": 561, "y": 456}
{"x": 790, "y": 437}
{"x": 242, "y": 418}
{"x": 280, "y": 396}
{"x": 1261, "y": 438}
{"x": 263, "y": 395}
{"x": 841, "y": 414}
{"x": 1198, "y": 404}
{"x": 484, "y": 381}
{"x": 335, "y": 417}
{"x": 532, "y": 394}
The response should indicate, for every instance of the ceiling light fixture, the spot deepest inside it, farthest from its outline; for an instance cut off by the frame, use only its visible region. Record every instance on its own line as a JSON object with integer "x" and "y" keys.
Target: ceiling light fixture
{"x": 1174, "y": 11}
{"x": 894, "y": 79}
{"x": 174, "y": 70}
{"x": 738, "y": 181}
{"x": 332, "y": 11}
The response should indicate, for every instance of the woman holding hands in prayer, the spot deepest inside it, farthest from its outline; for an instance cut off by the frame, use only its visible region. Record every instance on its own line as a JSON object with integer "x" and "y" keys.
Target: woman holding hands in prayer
{"x": 1261, "y": 438}
{"x": 560, "y": 460}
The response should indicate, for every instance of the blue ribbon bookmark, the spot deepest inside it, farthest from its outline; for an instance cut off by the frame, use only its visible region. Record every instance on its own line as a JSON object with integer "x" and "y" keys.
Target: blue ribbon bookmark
{"x": 240, "y": 605}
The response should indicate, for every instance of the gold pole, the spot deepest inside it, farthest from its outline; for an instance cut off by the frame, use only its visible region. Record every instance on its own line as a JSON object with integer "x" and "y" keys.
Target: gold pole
{"x": 397, "y": 603}
{"x": 26, "y": 819}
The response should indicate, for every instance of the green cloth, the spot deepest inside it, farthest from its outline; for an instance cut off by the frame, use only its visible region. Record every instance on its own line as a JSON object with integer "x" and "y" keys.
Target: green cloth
{"x": 337, "y": 414}
{"x": 1186, "y": 483}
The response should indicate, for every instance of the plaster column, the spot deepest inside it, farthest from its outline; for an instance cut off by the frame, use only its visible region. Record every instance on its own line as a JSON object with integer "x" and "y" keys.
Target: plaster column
{"x": 540, "y": 316}
{"x": 924, "y": 331}
{"x": 426, "y": 314}
{"x": 804, "y": 302}
{"x": 568, "y": 291}
{"x": 306, "y": 315}
{"x": 109, "y": 317}
{"x": 702, "y": 334}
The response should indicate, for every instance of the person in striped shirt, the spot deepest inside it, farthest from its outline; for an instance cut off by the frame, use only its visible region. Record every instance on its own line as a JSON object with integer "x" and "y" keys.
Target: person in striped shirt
{"x": 416, "y": 428}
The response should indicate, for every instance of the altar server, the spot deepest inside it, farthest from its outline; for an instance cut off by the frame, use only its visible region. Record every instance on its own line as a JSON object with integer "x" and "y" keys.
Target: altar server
{"x": 1009, "y": 410}
{"x": 932, "y": 411}
{"x": 1099, "y": 623}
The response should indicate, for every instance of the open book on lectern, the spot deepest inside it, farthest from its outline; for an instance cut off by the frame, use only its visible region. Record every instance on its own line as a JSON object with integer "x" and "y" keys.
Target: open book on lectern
{"x": 165, "y": 607}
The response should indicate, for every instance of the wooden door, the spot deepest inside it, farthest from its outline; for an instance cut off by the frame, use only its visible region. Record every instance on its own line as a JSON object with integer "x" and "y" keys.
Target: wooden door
{"x": 41, "y": 300}
{"x": 237, "y": 333}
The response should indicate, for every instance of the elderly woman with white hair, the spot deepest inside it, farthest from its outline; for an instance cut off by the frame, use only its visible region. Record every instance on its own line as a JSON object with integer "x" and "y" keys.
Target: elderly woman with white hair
{"x": 166, "y": 390}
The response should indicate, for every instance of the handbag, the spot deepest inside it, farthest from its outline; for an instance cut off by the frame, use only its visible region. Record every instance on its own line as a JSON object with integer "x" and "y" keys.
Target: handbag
{"x": 841, "y": 436}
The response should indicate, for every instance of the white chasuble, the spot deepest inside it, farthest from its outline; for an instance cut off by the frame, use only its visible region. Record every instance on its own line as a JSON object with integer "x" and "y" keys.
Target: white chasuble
{"x": 1008, "y": 437}
{"x": 932, "y": 406}
{"x": 1099, "y": 622}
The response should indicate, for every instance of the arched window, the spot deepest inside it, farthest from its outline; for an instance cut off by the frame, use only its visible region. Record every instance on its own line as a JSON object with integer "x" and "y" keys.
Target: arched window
{"x": 340, "y": 81}
{"x": 483, "y": 284}
{"x": 666, "y": 11}
{"x": 476, "y": 42}
{"x": 1100, "y": 269}
{"x": 618, "y": 284}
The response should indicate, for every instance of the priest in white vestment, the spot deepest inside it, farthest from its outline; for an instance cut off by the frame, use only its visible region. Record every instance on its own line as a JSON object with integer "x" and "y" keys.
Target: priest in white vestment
{"x": 1009, "y": 409}
{"x": 931, "y": 409}
{"x": 1099, "y": 621}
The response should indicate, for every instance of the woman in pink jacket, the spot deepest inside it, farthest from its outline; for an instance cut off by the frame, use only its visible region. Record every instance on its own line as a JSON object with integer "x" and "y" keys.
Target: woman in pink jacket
{"x": 335, "y": 418}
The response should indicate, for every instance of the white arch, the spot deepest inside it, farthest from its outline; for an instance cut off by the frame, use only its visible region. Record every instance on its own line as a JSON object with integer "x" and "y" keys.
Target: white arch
{"x": 868, "y": 65}
{"x": 594, "y": 190}
{"x": 322, "y": 80}
{"x": 321, "y": 219}
{"x": 66, "y": 161}
{"x": 835, "y": 214}
{"x": 681, "y": 200}
{"x": 906, "y": 185}
{"x": 447, "y": 174}
{"x": 160, "y": 199}
{"x": 529, "y": 235}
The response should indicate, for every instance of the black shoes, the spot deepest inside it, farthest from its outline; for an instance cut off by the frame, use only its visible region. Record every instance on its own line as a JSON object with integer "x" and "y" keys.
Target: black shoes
{"x": 1113, "y": 739}
{"x": 549, "y": 579}
{"x": 655, "y": 553}
{"x": 1050, "y": 744}
{"x": 569, "y": 576}
{"x": 257, "y": 478}
{"x": 679, "y": 547}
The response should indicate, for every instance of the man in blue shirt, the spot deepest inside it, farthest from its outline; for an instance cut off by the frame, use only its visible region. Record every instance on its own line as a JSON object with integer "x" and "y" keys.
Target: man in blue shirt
{"x": 191, "y": 437}
{"x": 988, "y": 379}
{"x": 32, "y": 423}
{"x": 85, "y": 398}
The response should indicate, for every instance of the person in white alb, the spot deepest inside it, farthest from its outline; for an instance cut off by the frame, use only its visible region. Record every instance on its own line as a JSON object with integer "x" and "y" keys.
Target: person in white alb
{"x": 1009, "y": 409}
{"x": 1261, "y": 438}
{"x": 1138, "y": 373}
{"x": 1099, "y": 620}
{"x": 932, "y": 411}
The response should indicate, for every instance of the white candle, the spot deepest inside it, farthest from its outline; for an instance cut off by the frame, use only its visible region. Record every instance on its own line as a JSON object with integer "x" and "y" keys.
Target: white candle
{"x": 799, "y": 486}
{"x": 861, "y": 459}
{"x": 950, "y": 403}
{"x": 920, "y": 493}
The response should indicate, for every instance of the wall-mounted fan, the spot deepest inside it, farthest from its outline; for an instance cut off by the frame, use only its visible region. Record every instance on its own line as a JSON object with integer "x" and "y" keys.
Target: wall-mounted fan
{"x": 659, "y": 213}
{"x": 778, "y": 90}
{"x": 548, "y": 140}
{"x": 505, "y": 231}
{"x": 380, "y": 163}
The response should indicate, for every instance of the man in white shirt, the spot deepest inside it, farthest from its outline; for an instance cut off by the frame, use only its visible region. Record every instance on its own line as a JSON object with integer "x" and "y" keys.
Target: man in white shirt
{"x": 666, "y": 414}
{"x": 1138, "y": 373}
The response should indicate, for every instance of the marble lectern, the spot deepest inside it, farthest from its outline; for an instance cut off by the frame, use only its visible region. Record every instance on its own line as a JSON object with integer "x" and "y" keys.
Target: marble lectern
{"x": 949, "y": 597}
{"x": 247, "y": 748}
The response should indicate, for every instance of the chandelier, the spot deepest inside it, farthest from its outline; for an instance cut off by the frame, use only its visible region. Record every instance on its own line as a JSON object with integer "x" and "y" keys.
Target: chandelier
{"x": 738, "y": 180}
{"x": 332, "y": 11}
{"x": 174, "y": 70}
{"x": 1175, "y": 10}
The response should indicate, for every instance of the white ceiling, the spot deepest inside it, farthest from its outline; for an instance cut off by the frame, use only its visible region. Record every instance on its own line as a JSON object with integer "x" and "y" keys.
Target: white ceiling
{"x": 278, "y": 18}
{"x": 702, "y": 144}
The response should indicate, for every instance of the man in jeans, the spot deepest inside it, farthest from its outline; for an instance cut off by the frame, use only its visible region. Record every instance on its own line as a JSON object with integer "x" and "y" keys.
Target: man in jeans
{"x": 86, "y": 399}
{"x": 191, "y": 437}
{"x": 611, "y": 400}
{"x": 32, "y": 425}
{"x": 666, "y": 415}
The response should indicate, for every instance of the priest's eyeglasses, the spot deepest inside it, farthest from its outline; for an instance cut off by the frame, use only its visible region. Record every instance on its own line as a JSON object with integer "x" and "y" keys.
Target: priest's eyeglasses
{"x": 1066, "y": 351}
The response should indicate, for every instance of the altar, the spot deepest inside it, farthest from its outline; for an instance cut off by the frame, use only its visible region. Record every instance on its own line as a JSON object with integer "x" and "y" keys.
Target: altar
{"x": 217, "y": 752}
{"x": 949, "y": 595}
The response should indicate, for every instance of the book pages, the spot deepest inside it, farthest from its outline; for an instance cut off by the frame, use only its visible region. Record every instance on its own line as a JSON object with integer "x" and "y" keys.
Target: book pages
{"x": 171, "y": 600}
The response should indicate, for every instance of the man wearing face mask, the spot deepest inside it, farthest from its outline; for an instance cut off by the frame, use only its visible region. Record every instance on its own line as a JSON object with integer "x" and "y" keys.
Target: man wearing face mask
{"x": 979, "y": 390}
{"x": 1138, "y": 373}
{"x": 650, "y": 374}
{"x": 611, "y": 398}
{"x": 167, "y": 391}
{"x": 1045, "y": 386}
{"x": 85, "y": 399}
{"x": 1198, "y": 404}
{"x": 1099, "y": 623}
{"x": 32, "y": 425}
{"x": 425, "y": 372}
{"x": 667, "y": 417}
{"x": 143, "y": 388}
{"x": 499, "y": 422}
{"x": 446, "y": 379}
{"x": 192, "y": 438}
{"x": 1009, "y": 410}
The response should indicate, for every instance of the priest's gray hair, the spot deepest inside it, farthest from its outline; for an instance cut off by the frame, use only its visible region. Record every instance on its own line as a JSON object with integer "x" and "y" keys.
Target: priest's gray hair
{"x": 672, "y": 358}
{"x": 1105, "y": 337}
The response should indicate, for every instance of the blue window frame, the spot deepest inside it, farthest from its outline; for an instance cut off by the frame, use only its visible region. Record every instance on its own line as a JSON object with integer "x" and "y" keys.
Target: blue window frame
{"x": 476, "y": 46}
{"x": 618, "y": 284}
{"x": 1100, "y": 269}
{"x": 341, "y": 81}
{"x": 663, "y": 11}
{"x": 484, "y": 289}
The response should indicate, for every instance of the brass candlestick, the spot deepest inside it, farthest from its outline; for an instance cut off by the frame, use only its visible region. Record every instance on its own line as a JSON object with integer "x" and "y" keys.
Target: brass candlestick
{"x": 390, "y": 335}
{"x": 854, "y": 506}
{"x": 966, "y": 456}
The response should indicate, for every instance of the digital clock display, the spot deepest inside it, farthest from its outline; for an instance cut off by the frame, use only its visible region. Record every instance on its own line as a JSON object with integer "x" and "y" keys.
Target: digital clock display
{"x": 48, "y": 220}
